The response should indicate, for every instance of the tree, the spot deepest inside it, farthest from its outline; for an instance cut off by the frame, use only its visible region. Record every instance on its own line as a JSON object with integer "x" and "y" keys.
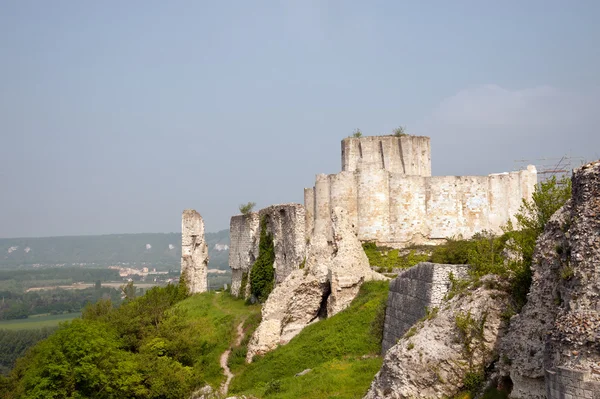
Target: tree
{"x": 533, "y": 215}
{"x": 247, "y": 208}
{"x": 357, "y": 133}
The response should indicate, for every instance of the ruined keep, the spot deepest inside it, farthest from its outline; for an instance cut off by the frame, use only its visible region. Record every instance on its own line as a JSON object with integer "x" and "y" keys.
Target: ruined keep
{"x": 194, "y": 252}
{"x": 391, "y": 198}
{"x": 387, "y": 188}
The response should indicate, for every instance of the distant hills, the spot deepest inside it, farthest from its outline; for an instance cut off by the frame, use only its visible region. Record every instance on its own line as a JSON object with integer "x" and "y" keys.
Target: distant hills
{"x": 153, "y": 250}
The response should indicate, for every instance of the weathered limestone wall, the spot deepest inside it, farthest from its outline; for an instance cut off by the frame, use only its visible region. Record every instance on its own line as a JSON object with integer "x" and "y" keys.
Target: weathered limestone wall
{"x": 420, "y": 287}
{"x": 410, "y": 155}
{"x": 396, "y": 209}
{"x": 287, "y": 224}
{"x": 244, "y": 234}
{"x": 194, "y": 252}
{"x": 564, "y": 383}
{"x": 309, "y": 208}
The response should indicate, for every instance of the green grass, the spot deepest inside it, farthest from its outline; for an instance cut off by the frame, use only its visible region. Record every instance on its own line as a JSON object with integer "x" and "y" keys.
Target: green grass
{"x": 211, "y": 322}
{"x": 342, "y": 351}
{"x": 35, "y": 322}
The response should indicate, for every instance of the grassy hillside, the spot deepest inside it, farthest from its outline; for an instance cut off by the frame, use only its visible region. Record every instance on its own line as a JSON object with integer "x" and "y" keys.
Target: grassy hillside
{"x": 164, "y": 346}
{"x": 342, "y": 352}
{"x": 161, "y": 251}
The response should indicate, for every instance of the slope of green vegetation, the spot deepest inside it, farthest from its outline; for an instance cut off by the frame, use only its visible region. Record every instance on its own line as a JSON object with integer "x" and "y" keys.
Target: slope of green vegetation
{"x": 160, "y": 345}
{"x": 156, "y": 250}
{"x": 342, "y": 352}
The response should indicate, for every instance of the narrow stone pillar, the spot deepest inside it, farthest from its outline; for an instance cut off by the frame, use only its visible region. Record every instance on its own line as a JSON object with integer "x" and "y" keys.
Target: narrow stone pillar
{"x": 194, "y": 252}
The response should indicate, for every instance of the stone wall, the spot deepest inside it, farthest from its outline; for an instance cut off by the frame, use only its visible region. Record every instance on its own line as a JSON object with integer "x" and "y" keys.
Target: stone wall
{"x": 244, "y": 234}
{"x": 420, "y": 287}
{"x": 564, "y": 383}
{"x": 410, "y": 155}
{"x": 386, "y": 187}
{"x": 194, "y": 252}
{"x": 287, "y": 224}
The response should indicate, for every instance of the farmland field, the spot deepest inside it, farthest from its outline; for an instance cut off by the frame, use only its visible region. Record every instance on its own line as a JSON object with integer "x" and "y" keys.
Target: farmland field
{"x": 37, "y": 321}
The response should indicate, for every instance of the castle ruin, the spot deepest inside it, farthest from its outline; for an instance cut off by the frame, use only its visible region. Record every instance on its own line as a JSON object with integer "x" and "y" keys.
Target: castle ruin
{"x": 387, "y": 188}
{"x": 390, "y": 197}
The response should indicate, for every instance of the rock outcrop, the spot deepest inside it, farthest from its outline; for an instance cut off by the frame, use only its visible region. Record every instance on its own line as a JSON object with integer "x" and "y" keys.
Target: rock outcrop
{"x": 434, "y": 356}
{"x": 286, "y": 223}
{"x": 553, "y": 346}
{"x": 329, "y": 281}
{"x": 194, "y": 252}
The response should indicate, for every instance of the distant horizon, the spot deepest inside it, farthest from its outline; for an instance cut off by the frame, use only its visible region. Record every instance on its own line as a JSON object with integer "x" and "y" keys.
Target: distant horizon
{"x": 107, "y": 234}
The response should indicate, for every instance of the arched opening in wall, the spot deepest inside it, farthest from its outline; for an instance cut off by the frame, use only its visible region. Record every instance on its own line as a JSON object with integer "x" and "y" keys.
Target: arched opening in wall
{"x": 282, "y": 213}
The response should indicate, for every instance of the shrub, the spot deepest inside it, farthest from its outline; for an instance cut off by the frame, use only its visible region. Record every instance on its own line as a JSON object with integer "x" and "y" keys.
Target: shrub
{"x": 400, "y": 131}
{"x": 247, "y": 208}
{"x": 357, "y": 133}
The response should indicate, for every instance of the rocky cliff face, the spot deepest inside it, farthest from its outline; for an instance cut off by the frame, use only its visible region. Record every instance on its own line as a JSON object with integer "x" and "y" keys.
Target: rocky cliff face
{"x": 435, "y": 356}
{"x": 553, "y": 346}
{"x": 194, "y": 252}
{"x": 329, "y": 281}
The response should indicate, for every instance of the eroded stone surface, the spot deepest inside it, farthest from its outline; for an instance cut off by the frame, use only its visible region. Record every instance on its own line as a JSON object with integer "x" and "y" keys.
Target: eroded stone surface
{"x": 194, "y": 252}
{"x": 558, "y": 332}
{"x": 433, "y": 362}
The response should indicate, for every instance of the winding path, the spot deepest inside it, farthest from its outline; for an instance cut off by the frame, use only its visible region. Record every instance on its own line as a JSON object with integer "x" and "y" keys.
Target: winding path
{"x": 225, "y": 359}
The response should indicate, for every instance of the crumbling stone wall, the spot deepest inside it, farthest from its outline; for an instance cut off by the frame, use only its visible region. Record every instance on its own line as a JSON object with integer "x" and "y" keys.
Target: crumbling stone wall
{"x": 194, "y": 252}
{"x": 564, "y": 383}
{"x": 420, "y": 287}
{"x": 244, "y": 233}
{"x": 387, "y": 188}
{"x": 287, "y": 224}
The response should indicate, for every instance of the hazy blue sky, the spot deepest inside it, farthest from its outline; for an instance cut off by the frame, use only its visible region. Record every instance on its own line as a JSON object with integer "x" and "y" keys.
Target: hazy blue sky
{"x": 117, "y": 115}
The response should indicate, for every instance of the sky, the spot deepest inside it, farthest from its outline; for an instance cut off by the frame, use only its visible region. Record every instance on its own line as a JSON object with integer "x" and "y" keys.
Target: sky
{"x": 115, "y": 116}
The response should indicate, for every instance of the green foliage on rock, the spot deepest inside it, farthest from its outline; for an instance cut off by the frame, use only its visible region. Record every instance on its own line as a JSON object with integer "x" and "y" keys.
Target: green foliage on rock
{"x": 247, "y": 207}
{"x": 262, "y": 274}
